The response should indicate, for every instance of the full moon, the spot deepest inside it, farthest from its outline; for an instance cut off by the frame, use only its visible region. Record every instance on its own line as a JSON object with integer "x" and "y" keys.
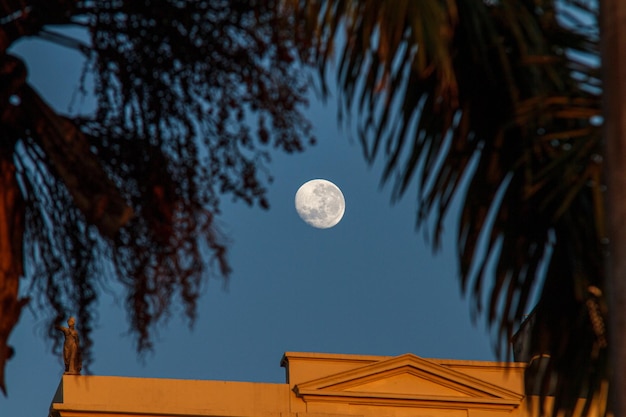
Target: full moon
{"x": 320, "y": 203}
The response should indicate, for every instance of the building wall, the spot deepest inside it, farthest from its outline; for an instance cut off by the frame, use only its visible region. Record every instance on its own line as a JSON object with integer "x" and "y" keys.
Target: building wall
{"x": 86, "y": 395}
{"x": 318, "y": 385}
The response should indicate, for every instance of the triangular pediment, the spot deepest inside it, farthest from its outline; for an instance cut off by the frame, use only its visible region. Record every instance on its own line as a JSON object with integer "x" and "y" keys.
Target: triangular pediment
{"x": 407, "y": 379}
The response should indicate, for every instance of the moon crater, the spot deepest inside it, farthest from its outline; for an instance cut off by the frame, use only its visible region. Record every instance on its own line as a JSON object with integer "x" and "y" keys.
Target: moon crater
{"x": 320, "y": 203}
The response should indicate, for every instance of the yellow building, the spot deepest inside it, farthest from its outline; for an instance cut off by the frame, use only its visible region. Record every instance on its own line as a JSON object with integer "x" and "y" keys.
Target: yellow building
{"x": 317, "y": 385}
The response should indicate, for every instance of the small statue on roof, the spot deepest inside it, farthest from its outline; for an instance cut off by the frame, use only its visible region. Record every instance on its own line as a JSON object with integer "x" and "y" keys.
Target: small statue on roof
{"x": 71, "y": 348}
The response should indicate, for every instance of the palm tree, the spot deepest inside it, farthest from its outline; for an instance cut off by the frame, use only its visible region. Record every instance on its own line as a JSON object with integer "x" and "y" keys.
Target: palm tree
{"x": 190, "y": 96}
{"x": 498, "y": 104}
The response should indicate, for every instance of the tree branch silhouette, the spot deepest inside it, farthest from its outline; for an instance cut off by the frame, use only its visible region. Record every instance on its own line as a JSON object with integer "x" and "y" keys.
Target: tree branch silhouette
{"x": 191, "y": 96}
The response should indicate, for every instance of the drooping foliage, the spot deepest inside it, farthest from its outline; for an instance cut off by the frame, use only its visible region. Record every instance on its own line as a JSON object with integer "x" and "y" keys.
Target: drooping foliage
{"x": 496, "y": 105}
{"x": 191, "y": 96}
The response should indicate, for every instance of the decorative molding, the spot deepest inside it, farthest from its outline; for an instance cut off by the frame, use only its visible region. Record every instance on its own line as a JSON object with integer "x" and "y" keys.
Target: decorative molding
{"x": 408, "y": 380}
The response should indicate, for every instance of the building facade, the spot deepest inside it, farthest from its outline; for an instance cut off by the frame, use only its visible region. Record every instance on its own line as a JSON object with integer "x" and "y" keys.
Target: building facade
{"x": 317, "y": 385}
{"x": 332, "y": 385}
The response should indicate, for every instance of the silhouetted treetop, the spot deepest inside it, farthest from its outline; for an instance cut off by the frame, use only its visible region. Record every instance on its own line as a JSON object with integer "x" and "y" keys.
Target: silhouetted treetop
{"x": 494, "y": 105}
{"x": 190, "y": 98}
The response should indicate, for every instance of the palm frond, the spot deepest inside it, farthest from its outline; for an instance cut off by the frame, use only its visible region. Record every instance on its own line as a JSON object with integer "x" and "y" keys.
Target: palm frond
{"x": 489, "y": 103}
{"x": 191, "y": 96}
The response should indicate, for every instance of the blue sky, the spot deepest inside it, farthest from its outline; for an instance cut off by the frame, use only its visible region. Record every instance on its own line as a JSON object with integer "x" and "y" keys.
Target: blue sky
{"x": 370, "y": 285}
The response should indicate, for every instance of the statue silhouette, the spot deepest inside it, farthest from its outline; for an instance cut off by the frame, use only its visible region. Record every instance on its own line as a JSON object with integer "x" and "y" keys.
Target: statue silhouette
{"x": 71, "y": 348}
